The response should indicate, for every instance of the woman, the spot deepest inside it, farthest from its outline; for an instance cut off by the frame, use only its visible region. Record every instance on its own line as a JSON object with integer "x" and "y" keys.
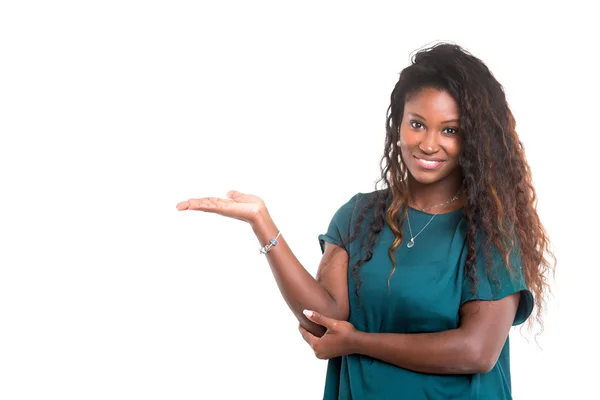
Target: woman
{"x": 420, "y": 282}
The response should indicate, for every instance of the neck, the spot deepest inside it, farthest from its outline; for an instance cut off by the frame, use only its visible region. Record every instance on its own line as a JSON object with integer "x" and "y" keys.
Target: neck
{"x": 424, "y": 196}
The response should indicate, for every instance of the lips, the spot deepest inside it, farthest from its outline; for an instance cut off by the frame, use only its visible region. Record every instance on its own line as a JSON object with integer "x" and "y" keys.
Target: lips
{"x": 428, "y": 164}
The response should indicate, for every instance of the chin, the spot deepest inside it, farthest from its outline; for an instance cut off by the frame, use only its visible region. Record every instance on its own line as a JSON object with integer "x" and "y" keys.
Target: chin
{"x": 426, "y": 179}
{"x": 429, "y": 177}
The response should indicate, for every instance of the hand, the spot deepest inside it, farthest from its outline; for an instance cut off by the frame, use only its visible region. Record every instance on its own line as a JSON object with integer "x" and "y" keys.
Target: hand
{"x": 245, "y": 207}
{"x": 337, "y": 341}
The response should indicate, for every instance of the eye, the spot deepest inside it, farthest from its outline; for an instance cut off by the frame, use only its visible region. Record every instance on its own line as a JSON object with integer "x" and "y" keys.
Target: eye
{"x": 451, "y": 131}
{"x": 416, "y": 124}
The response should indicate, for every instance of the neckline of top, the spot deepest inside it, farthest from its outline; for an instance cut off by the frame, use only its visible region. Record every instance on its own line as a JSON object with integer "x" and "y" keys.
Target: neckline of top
{"x": 432, "y": 214}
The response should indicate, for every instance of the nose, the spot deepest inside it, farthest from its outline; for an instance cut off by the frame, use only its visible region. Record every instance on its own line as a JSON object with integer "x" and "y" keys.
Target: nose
{"x": 430, "y": 143}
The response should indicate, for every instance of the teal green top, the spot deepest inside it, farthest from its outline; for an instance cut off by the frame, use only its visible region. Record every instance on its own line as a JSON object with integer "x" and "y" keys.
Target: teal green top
{"x": 427, "y": 289}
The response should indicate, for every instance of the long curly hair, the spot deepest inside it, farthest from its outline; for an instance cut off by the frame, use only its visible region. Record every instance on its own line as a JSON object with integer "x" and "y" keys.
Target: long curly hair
{"x": 496, "y": 178}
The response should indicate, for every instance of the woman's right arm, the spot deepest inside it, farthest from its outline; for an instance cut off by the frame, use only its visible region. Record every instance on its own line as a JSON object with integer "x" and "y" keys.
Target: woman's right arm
{"x": 326, "y": 294}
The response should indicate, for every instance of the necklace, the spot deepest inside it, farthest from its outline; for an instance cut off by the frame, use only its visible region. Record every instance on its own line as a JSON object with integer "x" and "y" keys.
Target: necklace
{"x": 412, "y": 238}
{"x": 438, "y": 205}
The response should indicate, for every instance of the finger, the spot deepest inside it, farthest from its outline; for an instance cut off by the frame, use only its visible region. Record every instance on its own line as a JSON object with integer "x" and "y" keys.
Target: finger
{"x": 197, "y": 204}
{"x": 304, "y": 331}
{"x": 208, "y": 204}
{"x": 320, "y": 319}
{"x": 184, "y": 205}
{"x": 307, "y": 336}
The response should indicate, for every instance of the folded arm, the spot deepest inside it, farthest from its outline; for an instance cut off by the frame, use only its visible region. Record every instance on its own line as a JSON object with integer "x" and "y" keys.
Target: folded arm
{"x": 327, "y": 293}
{"x": 473, "y": 347}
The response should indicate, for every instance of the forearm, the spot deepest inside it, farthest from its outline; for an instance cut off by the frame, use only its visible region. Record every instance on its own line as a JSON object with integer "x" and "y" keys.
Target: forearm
{"x": 447, "y": 352}
{"x": 299, "y": 288}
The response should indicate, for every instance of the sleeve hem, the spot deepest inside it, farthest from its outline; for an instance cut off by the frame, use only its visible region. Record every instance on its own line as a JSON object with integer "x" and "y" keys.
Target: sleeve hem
{"x": 524, "y": 309}
{"x": 325, "y": 238}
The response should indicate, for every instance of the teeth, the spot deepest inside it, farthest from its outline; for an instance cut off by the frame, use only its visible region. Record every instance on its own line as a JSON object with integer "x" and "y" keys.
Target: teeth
{"x": 430, "y": 162}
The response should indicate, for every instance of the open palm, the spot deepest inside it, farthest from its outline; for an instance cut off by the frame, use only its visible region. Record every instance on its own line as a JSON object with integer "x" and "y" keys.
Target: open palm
{"x": 238, "y": 205}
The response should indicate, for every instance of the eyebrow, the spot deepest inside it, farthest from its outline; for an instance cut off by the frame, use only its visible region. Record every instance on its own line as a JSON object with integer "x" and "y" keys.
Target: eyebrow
{"x": 443, "y": 122}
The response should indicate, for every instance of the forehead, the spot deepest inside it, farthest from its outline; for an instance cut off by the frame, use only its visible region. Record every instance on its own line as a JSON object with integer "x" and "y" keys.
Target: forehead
{"x": 432, "y": 103}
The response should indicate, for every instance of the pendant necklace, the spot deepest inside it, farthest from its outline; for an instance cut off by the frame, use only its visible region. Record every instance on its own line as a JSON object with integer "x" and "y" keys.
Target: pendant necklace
{"x": 446, "y": 204}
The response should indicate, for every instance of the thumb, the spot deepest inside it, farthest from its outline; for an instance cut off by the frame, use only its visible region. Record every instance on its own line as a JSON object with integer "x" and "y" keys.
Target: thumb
{"x": 233, "y": 194}
{"x": 319, "y": 319}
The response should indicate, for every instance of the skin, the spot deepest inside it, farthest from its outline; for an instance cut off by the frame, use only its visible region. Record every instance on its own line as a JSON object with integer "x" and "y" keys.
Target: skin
{"x": 321, "y": 304}
{"x": 327, "y": 293}
{"x": 429, "y": 131}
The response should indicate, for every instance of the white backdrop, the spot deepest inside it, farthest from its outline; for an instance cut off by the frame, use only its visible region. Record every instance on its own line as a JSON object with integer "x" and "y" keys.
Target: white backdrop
{"x": 112, "y": 112}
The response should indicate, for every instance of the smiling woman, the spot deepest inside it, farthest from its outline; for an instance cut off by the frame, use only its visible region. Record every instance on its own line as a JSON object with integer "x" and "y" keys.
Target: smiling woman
{"x": 420, "y": 282}
{"x": 429, "y": 141}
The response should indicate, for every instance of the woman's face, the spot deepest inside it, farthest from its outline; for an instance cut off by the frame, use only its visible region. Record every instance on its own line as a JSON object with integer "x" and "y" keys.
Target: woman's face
{"x": 429, "y": 137}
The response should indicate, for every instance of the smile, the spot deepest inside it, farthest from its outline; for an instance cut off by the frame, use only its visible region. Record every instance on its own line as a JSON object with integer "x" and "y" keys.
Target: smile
{"x": 428, "y": 164}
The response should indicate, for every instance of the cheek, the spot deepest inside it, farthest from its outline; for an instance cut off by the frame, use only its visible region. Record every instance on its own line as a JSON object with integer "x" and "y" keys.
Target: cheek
{"x": 453, "y": 149}
{"x": 405, "y": 149}
{"x": 406, "y": 139}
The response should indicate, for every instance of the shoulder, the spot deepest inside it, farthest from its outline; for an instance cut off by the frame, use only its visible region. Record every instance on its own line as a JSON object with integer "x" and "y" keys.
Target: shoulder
{"x": 356, "y": 205}
{"x": 360, "y": 208}
{"x": 364, "y": 200}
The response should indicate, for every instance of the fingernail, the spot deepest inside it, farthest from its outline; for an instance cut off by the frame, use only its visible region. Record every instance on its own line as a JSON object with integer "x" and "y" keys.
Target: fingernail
{"x": 308, "y": 313}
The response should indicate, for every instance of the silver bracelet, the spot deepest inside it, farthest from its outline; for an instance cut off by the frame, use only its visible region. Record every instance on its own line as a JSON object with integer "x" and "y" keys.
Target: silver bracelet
{"x": 272, "y": 242}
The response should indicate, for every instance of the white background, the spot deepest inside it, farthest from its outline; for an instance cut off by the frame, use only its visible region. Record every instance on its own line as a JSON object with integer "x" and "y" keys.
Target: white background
{"x": 112, "y": 112}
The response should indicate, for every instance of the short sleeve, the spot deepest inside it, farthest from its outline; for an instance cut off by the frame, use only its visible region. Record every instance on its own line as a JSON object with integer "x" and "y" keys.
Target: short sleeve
{"x": 500, "y": 283}
{"x": 339, "y": 226}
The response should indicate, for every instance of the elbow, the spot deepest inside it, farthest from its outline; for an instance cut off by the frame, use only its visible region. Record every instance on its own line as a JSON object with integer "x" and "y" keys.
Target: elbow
{"x": 484, "y": 365}
{"x": 318, "y": 330}
{"x": 482, "y": 359}
{"x": 342, "y": 314}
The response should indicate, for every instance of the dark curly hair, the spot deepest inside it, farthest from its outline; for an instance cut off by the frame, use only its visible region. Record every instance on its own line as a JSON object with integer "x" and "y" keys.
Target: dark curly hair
{"x": 496, "y": 179}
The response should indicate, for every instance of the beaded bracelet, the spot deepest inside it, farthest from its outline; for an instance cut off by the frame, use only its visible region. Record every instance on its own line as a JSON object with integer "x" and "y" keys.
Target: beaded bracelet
{"x": 272, "y": 242}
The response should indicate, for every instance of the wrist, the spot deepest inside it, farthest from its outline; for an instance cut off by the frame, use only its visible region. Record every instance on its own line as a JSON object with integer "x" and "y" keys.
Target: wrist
{"x": 262, "y": 222}
{"x": 260, "y": 218}
{"x": 355, "y": 342}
